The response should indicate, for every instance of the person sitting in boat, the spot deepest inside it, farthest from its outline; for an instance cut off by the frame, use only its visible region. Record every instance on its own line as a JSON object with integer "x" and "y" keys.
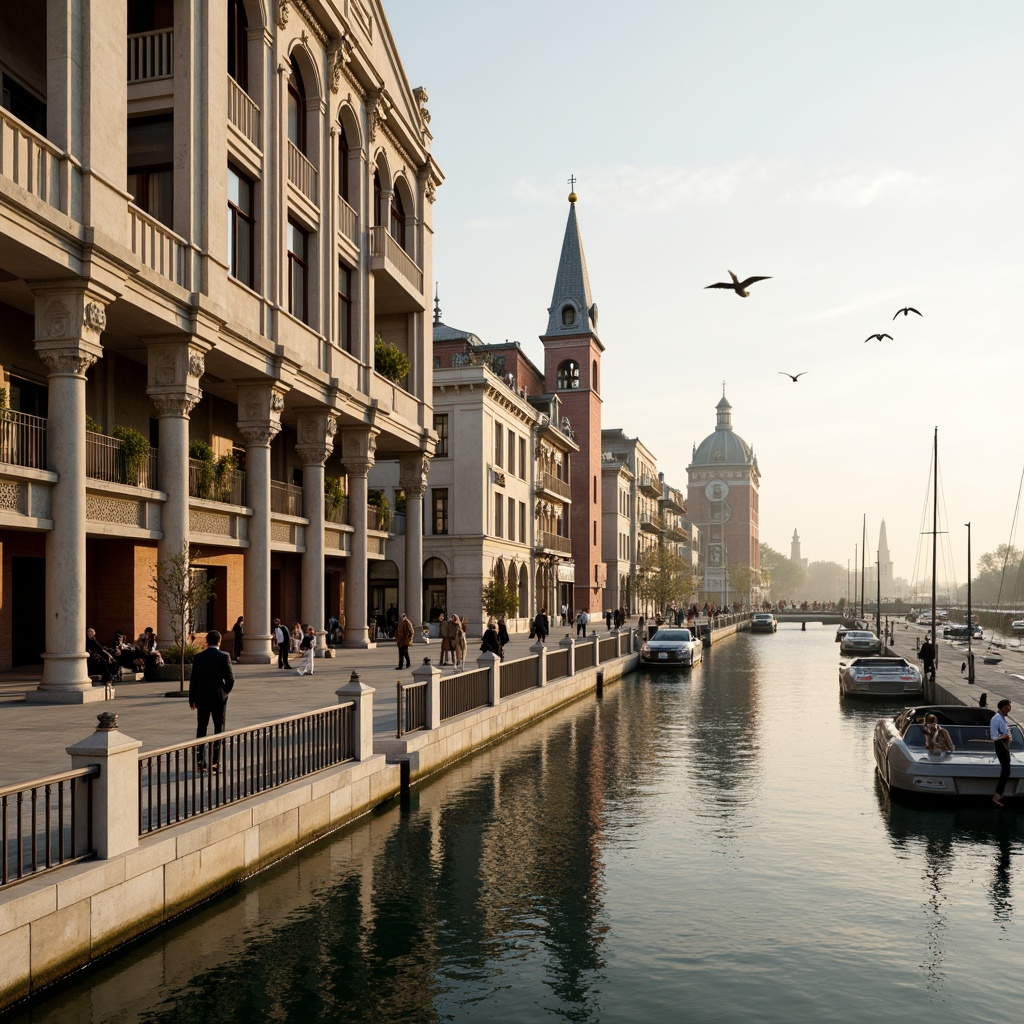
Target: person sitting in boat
{"x": 936, "y": 738}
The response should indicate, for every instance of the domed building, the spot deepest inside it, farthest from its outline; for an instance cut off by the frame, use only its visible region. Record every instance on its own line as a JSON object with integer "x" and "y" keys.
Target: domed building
{"x": 722, "y": 503}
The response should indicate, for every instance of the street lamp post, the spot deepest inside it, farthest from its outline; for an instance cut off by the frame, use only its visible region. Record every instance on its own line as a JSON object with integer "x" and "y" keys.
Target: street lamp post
{"x": 970, "y": 621}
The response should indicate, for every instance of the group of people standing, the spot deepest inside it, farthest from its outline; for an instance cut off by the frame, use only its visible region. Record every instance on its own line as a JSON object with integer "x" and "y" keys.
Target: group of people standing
{"x": 300, "y": 640}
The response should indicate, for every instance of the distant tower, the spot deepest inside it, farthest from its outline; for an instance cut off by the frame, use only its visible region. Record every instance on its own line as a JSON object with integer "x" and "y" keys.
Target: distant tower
{"x": 794, "y": 551}
{"x": 572, "y": 368}
{"x": 885, "y": 565}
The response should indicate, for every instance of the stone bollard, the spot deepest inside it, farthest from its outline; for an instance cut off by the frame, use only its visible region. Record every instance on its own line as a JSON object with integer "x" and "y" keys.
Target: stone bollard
{"x": 115, "y": 791}
{"x": 490, "y": 661}
{"x": 542, "y": 662}
{"x": 431, "y": 675}
{"x": 570, "y": 645}
{"x": 356, "y": 690}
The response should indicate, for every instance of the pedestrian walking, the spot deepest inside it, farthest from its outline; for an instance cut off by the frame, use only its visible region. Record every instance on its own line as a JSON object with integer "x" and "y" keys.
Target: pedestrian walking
{"x": 403, "y": 639}
{"x": 283, "y": 640}
{"x": 307, "y": 650}
{"x": 209, "y": 684}
{"x": 457, "y": 639}
{"x": 927, "y": 657}
{"x": 239, "y": 632}
{"x": 581, "y": 623}
{"x": 541, "y": 625}
{"x": 999, "y": 730}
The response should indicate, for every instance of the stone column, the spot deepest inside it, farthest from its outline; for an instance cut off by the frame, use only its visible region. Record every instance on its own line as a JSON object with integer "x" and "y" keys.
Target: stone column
{"x": 175, "y": 366}
{"x": 362, "y": 695}
{"x": 316, "y": 429}
{"x": 357, "y": 456}
{"x": 68, "y": 326}
{"x": 259, "y": 419}
{"x": 413, "y": 480}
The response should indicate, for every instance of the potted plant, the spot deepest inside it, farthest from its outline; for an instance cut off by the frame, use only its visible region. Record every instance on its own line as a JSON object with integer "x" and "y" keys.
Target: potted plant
{"x": 134, "y": 453}
{"x": 378, "y": 500}
{"x": 224, "y": 471}
{"x": 390, "y": 361}
{"x": 334, "y": 494}
{"x": 202, "y": 453}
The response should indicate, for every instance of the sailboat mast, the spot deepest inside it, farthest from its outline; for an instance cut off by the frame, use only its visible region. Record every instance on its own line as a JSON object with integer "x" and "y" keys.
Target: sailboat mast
{"x": 863, "y": 549}
{"x": 935, "y": 533}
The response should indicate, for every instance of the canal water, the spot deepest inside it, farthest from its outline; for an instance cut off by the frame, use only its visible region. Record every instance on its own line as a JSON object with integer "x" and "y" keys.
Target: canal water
{"x": 706, "y": 845}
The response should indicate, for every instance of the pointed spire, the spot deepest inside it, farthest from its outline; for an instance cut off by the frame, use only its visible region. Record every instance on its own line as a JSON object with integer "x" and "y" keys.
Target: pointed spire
{"x": 437, "y": 306}
{"x": 724, "y": 412}
{"x": 572, "y": 310}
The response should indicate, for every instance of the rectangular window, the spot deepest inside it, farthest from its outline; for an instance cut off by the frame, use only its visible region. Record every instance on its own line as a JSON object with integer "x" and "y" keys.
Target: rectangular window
{"x": 151, "y": 166}
{"x": 511, "y": 453}
{"x": 522, "y": 522}
{"x": 499, "y": 516}
{"x": 512, "y": 519}
{"x": 440, "y": 510}
{"x": 441, "y": 429}
{"x": 240, "y": 227}
{"x": 499, "y": 447}
{"x": 344, "y": 307}
{"x": 522, "y": 458}
{"x": 298, "y": 273}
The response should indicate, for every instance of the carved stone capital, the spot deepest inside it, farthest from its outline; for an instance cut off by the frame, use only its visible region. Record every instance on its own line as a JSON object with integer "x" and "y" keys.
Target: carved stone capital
{"x": 259, "y": 436}
{"x": 174, "y": 366}
{"x": 67, "y": 360}
{"x": 69, "y": 322}
{"x": 357, "y": 468}
{"x": 313, "y": 455}
{"x": 413, "y": 473}
{"x": 358, "y": 450}
{"x": 174, "y": 405}
{"x": 260, "y": 404}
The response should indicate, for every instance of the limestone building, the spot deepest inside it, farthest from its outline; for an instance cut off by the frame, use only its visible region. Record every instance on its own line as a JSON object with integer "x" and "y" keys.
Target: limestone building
{"x": 722, "y": 502}
{"x": 208, "y": 212}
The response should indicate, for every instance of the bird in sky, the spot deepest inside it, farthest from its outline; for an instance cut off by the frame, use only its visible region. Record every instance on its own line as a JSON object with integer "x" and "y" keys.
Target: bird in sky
{"x": 877, "y": 337}
{"x": 738, "y": 286}
{"x": 792, "y": 377}
{"x": 906, "y": 311}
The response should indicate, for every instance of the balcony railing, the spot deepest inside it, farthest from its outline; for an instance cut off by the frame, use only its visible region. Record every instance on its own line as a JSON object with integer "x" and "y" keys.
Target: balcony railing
{"x": 337, "y": 512}
{"x": 650, "y": 485}
{"x": 22, "y": 439}
{"x": 397, "y": 527}
{"x": 105, "y": 460}
{"x": 348, "y": 221}
{"x": 285, "y": 499}
{"x": 150, "y": 55}
{"x": 302, "y": 174}
{"x": 157, "y": 246}
{"x": 652, "y": 524}
{"x": 384, "y": 246}
{"x": 243, "y": 112}
{"x": 206, "y": 483}
{"x": 554, "y": 484}
{"x": 554, "y": 542}
{"x": 29, "y": 160}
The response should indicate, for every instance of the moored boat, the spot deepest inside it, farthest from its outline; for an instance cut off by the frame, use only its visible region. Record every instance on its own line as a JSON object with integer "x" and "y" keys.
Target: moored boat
{"x": 970, "y": 769}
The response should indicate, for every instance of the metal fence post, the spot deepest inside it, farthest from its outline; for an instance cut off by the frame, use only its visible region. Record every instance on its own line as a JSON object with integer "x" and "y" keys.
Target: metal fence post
{"x": 542, "y": 662}
{"x": 490, "y": 661}
{"x": 115, "y": 791}
{"x": 431, "y": 675}
{"x": 570, "y": 645}
{"x": 356, "y": 690}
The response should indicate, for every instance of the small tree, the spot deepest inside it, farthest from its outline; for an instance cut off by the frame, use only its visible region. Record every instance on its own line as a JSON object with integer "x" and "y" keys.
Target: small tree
{"x": 206, "y": 469}
{"x": 499, "y": 598}
{"x": 134, "y": 453}
{"x": 390, "y": 361}
{"x": 182, "y": 591}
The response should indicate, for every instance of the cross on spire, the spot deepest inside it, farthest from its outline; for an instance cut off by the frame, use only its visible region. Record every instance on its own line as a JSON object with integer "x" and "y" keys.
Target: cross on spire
{"x": 572, "y": 181}
{"x": 723, "y": 389}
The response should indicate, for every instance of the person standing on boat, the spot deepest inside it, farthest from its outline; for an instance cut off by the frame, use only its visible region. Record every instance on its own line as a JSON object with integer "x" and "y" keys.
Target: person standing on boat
{"x": 1000, "y": 733}
{"x": 927, "y": 656}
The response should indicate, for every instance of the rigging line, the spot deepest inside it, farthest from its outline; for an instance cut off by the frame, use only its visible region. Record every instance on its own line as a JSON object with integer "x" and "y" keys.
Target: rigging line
{"x": 947, "y": 540}
{"x": 1013, "y": 531}
{"x": 921, "y": 530}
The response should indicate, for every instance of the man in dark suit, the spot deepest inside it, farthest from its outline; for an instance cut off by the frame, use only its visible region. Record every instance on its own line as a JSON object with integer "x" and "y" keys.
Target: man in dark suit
{"x": 208, "y": 687}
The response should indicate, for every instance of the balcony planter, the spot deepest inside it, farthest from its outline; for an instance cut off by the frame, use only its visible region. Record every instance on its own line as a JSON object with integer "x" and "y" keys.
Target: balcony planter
{"x": 202, "y": 453}
{"x": 390, "y": 361}
{"x": 134, "y": 453}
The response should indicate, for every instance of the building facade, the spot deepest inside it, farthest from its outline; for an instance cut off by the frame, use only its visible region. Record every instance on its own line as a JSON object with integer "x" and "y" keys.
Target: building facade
{"x": 722, "y": 502}
{"x": 196, "y": 257}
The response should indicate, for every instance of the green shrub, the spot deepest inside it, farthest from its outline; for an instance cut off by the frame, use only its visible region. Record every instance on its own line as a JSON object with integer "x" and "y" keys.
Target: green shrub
{"x": 134, "y": 453}
{"x": 224, "y": 476}
{"x": 378, "y": 499}
{"x": 334, "y": 492}
{"x": 91, "y": 424}
{"x": 172, "y": 656}
{"x": 390, "y": 361}
{"x": 202, "y": 453}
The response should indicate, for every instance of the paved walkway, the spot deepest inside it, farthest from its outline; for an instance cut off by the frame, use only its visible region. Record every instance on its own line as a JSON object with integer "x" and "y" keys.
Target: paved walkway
{"x": 34, "y": 736}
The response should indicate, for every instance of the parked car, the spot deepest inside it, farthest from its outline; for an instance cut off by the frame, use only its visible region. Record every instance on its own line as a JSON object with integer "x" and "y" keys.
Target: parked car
{"x": 860, "y": 641}
{"x": 763, "y": 622}
{"x": 671, "y": 647}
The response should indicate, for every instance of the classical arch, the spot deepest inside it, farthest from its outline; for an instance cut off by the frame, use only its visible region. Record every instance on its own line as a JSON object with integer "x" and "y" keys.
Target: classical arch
{"x": 567, "y": 377}
{"x": 435, "y": 590}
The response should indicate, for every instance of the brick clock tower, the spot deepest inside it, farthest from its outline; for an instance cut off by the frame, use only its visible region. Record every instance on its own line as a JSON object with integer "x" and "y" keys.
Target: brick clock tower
{"x": 722, "y": 500}
{"x": 572, "y": 369}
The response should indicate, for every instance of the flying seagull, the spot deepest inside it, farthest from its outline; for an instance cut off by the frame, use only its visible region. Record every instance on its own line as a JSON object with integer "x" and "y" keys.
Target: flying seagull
{"x": 738, "y": 286}
{"x": 877, "y": 337}
{"x": 791, "y": 377}
{"x": 907, "y": 310}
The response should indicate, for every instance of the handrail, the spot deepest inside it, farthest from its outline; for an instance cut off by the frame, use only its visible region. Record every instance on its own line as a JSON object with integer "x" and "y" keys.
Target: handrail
{"x": 285, "y": 499}
{"x": 301, "y": 173}
{"x": 348, "y": 221}
{"x": 244, "y": 112}
{"x": 104, "y": 460}
{"x": 157, "y": 246}
{"x": 22, "y": 439}
{"x": 33, "y": 162}
{"x": 555, "y": 484}
{"x": 150, "y": 55}
{"x": 383, "y": 245}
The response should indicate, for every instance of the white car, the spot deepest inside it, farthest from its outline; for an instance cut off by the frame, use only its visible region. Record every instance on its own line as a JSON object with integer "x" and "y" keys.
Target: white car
{"x": 860, "y": 641}
{"x": 671, "y": 647}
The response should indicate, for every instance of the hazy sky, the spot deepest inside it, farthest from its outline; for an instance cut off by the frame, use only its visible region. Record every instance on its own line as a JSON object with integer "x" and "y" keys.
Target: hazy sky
{"x": 866, "y": 155}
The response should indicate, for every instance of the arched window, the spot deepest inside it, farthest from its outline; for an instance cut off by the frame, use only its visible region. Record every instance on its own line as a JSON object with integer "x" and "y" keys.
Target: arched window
{"x": 238, "y": 43}
{"x": 593, "y": 376}
{"x": 377, "y": 201}
{"x": 343, "y": 155}
{"x": 568, "y": 316}
{"x": 296, "y": 109}
{"x": 568, "y": 375}
{"x": 398, "y": 219}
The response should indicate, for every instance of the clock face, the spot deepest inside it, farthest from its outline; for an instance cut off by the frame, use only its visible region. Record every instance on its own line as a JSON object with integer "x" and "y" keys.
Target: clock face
{"x": 716, "y": 490}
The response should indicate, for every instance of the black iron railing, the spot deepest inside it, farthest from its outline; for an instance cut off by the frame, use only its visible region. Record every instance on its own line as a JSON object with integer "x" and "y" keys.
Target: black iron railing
{"x": 464, "y": 692}
{"x": 585, "y": 655}
{"x": 519, "y": 675}
{"x": 558, "y": 664}
{"x": 412, "y": 707}
{"x": 609, "y": 647}
{"x": 179, "y": 782}
{"x": 46, "y": 823}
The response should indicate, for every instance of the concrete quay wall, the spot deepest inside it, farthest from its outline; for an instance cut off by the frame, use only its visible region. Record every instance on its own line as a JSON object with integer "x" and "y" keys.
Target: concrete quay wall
{"x": 428, "y": 751}
{"x": 60, "y": 921}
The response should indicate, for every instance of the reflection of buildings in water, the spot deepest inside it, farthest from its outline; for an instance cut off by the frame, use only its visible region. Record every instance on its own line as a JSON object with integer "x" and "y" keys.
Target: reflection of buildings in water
{"x": 941, "y": 831}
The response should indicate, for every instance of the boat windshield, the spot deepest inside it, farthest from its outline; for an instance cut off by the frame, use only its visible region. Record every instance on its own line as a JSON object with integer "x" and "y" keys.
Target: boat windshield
{"x": 673, "y": 635}
{"x": 971, "y": 739}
